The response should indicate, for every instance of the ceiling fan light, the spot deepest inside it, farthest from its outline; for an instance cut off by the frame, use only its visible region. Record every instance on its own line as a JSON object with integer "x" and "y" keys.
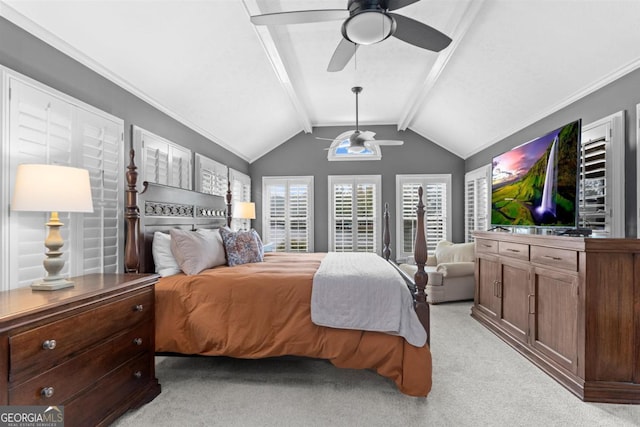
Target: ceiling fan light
{"x": 368, "y": 27}
{"x": 356, "y": 149}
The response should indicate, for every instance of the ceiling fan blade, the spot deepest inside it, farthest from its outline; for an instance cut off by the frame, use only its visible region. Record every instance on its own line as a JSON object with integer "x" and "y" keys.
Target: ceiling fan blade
{"x": 387, "y": 142}
{"x": 342, "y": 55}
{"x": 397, "y": 4}
{"x": 326, "y": 139}
{"x": 367, "y": 135}
{"x": 300, "y": 17}
{"x": 419, "y": 34}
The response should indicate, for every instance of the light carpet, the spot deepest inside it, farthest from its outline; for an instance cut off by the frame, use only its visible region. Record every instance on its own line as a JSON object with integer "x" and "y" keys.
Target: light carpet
{"x": 477, "y": 381}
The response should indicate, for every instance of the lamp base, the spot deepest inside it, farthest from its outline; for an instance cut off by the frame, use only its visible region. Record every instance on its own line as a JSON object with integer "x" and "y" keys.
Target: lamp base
{"x": 51, "y": 285}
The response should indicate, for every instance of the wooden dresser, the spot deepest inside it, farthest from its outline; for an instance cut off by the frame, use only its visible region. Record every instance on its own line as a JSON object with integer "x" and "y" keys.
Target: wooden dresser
{"x": 570, "y": 305}
{"x": 89, "y": 348}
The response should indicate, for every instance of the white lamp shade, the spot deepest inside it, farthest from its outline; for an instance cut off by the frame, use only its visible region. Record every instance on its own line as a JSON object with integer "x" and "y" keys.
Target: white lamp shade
{"x": 52, "y": 188}
{"x": 244, "y": 210}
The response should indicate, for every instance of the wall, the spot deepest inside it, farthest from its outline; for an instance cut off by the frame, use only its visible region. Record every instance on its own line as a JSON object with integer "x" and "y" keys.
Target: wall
{"x": 305, "y": 155}
{"x": 622, "y": 94}
{"x": 32, "y": 57}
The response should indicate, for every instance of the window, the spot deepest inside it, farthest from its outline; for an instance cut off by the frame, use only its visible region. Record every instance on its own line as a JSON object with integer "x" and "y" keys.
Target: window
{"x": 45, "y": 126}
{"x": 211, "y": 176}
{"x": 476, "y": 193}
{"x": 601, "y": 193}
{"x": 241, "y": 192}
{"x": 436, "y": 198}
{"x": 355, "y": 213}
{"x": 163, "y": 162}
{"x": 338, "y": 151}
{"x": 287, "y": 219}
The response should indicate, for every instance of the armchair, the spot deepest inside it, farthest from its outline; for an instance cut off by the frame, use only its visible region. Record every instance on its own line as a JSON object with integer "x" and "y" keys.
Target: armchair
{"x": 451, "y": 271}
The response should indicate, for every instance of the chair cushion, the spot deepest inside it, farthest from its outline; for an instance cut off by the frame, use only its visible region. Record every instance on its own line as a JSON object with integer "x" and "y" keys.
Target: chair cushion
{"x": 456, "y": 269}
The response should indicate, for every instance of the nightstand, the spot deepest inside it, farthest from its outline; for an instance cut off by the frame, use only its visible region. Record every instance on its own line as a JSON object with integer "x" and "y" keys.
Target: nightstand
{"x": 89, "y": 348}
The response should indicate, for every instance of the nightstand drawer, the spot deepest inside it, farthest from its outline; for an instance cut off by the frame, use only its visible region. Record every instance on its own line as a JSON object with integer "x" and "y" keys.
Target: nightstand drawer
{"x": 561, "y": 258}
{"x": 42, "y": 348}
{"x": 84, "y": 368}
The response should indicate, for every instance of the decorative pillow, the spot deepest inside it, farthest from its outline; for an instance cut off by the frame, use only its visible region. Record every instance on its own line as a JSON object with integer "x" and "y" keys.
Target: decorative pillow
{"x": 195, "y": 251}
{"x": 455, "y": 252}
{"x": 166, "y": 264}
{"x": 242, "y": 247}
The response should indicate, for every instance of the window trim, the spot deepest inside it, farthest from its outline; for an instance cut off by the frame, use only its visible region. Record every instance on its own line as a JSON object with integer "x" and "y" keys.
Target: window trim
{"x": 288, "y": 180}
{"x": 377, "y": 181}
{"x": 424, "y": 179}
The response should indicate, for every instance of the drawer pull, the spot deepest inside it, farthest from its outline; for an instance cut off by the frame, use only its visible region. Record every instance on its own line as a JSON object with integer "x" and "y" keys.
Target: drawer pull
{"x": 137, "y": 341}
{"x": 486, "y": 246}
{"x": 49, "y": 344}
{"x": 513, "y": 250}
{"x": 138, "y": 307}
{"x": 47, "y": 392}
{"x": 555, "y": 258}
{"x": 137, "y": 374}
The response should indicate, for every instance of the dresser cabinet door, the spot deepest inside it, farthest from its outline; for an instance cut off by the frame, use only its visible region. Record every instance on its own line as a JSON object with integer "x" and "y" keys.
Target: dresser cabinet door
{"x": 554, "y": 309}
{"x": 487, "y": 282}
{"x": 514, "y": 289}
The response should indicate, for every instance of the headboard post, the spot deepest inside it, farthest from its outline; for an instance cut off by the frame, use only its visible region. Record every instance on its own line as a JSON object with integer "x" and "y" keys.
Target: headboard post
{"x": 132, "y": 216}
{"x": 421, "y": 278}
{"x": 386, "y": 239}
{"x": 229, "y": 213}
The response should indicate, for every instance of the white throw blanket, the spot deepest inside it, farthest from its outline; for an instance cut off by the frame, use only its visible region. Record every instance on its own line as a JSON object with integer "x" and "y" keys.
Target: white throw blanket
{"x": 363, "y": 291}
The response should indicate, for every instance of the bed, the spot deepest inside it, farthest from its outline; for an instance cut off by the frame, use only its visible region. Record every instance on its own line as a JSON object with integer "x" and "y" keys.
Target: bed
{"x": 262, "y": 309}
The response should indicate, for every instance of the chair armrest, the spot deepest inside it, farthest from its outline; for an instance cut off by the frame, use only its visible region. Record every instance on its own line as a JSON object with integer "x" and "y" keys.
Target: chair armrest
{"x": 456, "y": 269}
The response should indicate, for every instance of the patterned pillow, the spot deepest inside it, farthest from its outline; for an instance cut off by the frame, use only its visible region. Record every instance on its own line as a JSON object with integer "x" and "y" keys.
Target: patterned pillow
{"x": 242, "y": 247}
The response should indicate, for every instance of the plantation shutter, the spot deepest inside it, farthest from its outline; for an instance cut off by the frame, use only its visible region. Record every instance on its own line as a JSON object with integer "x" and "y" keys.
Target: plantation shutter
{"x": 240, "y": 192}
{"x": 476, "y": 201}
{"x": 49, "y": 128}
{"x": 163, "y": 162}
{"x": 102, "y": 154}
{"x": 355, "y": 207}
{"x": 211, "y": 176}
{"x": 287, "y": 220}
{"x": 601, "y": 178}
{"x": 436, "y": 195}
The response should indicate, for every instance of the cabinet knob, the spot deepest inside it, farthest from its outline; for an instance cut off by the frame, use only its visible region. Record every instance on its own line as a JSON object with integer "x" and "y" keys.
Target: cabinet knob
{"x": 49, "y": 344}
{"x": 137, "y": 374}
{"x": 47, "y": 392}
{"x": 137, "y": 341}
{"x": 138, "y": 307}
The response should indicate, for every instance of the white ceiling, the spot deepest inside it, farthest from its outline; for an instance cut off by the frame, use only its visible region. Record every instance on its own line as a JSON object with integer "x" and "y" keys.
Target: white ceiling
{"x": 249, "y": 89}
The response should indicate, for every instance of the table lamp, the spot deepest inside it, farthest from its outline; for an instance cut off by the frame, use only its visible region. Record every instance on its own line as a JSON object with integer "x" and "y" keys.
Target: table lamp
{"x": 244, "y": 210}
{"x": 52, "y": 188}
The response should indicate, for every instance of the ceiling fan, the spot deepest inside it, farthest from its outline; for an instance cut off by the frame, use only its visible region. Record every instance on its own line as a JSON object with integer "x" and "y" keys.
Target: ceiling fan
{"x": 360, "y": 141}
{"x": 365, "y": 22}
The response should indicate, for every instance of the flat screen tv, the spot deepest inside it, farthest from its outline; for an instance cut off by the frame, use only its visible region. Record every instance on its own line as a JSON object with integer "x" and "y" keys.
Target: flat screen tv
{"x": 535, "y": 184}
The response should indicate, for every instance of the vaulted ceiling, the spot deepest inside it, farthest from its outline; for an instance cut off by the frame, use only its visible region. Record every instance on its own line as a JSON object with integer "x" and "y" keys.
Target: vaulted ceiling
{"x": 249, "y": 89}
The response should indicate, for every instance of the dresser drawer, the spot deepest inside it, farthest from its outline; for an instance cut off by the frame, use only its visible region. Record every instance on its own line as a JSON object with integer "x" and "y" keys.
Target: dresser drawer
{"x": 486, "y": 246}
{"x": 84, "y": 368}
{"x": 561, "y": 258}
{"x": 514, "y": 250}
{"x": 29, "y": 352}
{"x": 110, "y": 394}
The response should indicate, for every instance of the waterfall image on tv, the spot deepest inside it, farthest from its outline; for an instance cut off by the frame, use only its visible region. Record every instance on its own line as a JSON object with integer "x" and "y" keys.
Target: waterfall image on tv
{"x": 535, "y": 183}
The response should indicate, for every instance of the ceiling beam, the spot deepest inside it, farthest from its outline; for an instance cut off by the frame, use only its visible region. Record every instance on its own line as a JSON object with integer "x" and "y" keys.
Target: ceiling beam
{"x": 422, "y": 90}
{"x": 270, "y": 47}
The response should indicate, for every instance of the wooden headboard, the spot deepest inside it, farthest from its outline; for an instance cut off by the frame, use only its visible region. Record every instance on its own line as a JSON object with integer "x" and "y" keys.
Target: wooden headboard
{"x": 161, "y": 208}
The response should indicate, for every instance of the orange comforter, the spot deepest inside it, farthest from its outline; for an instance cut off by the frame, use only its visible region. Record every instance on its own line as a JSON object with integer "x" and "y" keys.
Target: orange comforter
{"x": 263, "y": 310}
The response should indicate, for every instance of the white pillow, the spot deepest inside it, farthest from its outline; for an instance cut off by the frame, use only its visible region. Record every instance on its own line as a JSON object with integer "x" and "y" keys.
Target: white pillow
{"x": 455, "y": 252}
{"x": 166, "y": 264}
{"x": 196, "y": 251}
